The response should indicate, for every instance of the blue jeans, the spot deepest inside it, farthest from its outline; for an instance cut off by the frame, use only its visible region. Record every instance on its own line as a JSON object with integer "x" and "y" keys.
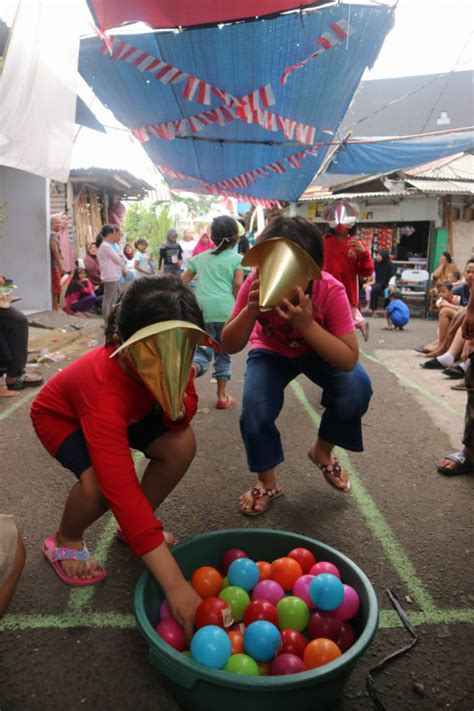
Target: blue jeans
{"x": 204, "y": 355}
{"x": 346, "y": 397}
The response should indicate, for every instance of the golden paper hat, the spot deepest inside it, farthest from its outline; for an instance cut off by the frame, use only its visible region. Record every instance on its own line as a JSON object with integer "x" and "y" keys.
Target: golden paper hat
{"x": 161, "y": 355}
{"x": 283, "y": 267}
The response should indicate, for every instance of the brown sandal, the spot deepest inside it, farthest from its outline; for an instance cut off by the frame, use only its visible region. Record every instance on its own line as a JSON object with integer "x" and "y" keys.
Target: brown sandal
{"x": 333, "y": 472}
{"x": 258, "y": 493}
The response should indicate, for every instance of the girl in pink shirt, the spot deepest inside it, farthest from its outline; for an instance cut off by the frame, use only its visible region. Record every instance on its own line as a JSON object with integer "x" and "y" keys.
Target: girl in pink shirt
{"x": 314, "y": 336}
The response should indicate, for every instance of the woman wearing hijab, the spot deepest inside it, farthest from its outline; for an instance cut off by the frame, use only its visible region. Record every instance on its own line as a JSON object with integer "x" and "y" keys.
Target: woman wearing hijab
{"x": 204, "y": 243}
{"x": 171, "y": 254}
{"x": 384, "y": 270}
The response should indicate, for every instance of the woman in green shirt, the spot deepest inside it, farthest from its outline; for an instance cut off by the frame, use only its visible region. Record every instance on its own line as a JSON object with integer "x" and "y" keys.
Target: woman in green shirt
{"x": 220, "y": 276}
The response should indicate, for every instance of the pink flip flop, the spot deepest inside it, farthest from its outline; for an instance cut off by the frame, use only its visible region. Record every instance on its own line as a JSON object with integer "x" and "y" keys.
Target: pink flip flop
{"x": 54, "y": 554}
{"x": 224, "y": 404}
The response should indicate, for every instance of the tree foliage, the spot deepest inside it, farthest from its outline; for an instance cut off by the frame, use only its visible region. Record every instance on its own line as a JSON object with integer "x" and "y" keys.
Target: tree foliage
{"x": 144, "y": 222}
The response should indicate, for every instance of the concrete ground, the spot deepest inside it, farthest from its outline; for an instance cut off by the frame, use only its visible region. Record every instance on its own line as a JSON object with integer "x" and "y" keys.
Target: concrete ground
{"x": 408, "y": 528}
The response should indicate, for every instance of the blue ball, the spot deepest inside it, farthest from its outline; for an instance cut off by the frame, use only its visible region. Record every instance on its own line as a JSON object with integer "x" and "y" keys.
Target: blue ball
{"x": 210, "y": 646}
{"x": 243, "y": 573}
{"x": 262, "y": 640}
{"x": 326, "y": 591}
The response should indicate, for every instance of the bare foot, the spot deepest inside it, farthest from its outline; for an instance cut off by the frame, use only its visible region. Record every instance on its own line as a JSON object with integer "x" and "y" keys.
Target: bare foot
{"x": 9, "y": 393}
{"x": 77, "y": 568}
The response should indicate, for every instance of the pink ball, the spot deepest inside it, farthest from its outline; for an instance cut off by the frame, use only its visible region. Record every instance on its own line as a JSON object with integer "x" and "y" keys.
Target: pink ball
{"x": 347, "y": 637}
{"x": 165, "y": 611}
{"x": 301, "y": 590}
{"x": 268, "y": 590}
{"x": 229, "y": 557}
{"x": 349, "y": 606}
{"x": 287, "y": 664}
{"x": 324, "y": 567}
{"x": 172, "y": 633}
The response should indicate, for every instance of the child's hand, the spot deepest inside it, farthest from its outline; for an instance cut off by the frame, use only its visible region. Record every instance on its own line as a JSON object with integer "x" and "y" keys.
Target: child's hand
{"x": 183, "y": 601}
{"x": 181, "y": 414}
{"x": 300, "y": 316}
{"x": 253, "y": 306}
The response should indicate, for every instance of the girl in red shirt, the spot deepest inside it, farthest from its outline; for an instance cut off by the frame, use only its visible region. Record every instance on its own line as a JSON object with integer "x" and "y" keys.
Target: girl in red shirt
{"x": 89, "y": 416}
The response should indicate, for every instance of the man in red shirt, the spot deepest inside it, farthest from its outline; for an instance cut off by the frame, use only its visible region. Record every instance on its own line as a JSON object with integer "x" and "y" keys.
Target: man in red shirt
{"x": 347, "y": 257}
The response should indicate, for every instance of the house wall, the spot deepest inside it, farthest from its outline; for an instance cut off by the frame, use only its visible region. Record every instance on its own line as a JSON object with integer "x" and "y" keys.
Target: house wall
{"x": 24, "y": 247}
{"x": 403, "y": 209}
{"x": 463, "y": 241}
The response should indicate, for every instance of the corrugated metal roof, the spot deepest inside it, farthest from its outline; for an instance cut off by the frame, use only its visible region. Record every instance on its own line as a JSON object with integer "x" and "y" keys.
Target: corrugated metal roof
{"x": 309, "y": 196}
{"x": 459, "y": 167}
{"x": 443, "y": 187}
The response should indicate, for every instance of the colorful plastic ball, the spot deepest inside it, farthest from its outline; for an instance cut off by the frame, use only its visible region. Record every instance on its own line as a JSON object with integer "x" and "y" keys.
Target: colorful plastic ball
{"x": 225, "y": 582}
{"x": 293, "y": 614}
{"x": 165, "y": 611}
{"x": 213, "y": 611}
{"x": 349, "y": 606}
{"x": 268, "y": 590}
{"x": 301, "y": 590}
{"x": 186, "y": 653}
{"x": 243, "y": 573}
{"x": 242, "y": 664}
{"x": 262, "y": 641}
{"x": 236, "y": 641}
{"x": 260, "y": 610}
{"x": 264, "y": 668}
{"x": 304, "y": 557}
{"x": 237, "y": 627}
{"x": 326, "y": 591}
{"x": 210, "y": 646}
{"x": 287, "y": 664}
{"x": 292, "y": 642}
{"x": 171, "y": 633}
{"x": 347, "y": 637}
{"x": 324, "y": 567}
{"x": 286, "y": 571}
{"x": 264, "y": 568}
{"x": 229, "y": 557}
{"x": 207, "y": 582}
{"x": 324, "y": 624}
{"x": 320, "y": 651}
{"x": 238, "y": 600}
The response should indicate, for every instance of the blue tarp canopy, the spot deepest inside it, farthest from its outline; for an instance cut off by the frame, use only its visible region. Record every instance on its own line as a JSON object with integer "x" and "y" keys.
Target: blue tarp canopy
{"x": 239, "y": 59}
{"x": 366, "y": 158}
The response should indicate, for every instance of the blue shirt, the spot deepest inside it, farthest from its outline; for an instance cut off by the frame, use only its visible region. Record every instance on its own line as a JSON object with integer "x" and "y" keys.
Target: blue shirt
{"x": 463, "y": 292}
{"x": 399, "y": 312}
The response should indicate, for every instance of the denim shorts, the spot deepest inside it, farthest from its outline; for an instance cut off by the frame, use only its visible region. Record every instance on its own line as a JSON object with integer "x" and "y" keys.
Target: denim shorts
{"x": 73, "y": 453}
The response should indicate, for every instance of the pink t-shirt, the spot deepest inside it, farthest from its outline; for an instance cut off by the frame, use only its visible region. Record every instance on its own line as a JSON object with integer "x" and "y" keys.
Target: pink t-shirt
{"x": 331, "y": 309}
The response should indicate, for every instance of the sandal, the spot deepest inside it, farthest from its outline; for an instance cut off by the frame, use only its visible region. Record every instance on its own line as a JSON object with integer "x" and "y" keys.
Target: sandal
{"x": 333, "y": 472}
{"x": 257, "y": 493}
{"x": 224, "y": 404}
{"x": 54, "y": 553}
{"x": 463, "y": 464}
{"x": 25, "y": 381}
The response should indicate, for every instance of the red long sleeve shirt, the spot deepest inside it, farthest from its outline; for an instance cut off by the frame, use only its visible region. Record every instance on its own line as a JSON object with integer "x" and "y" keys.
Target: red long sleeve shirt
{"x": 95, "y": 394}
{"x": 344, "y": 263}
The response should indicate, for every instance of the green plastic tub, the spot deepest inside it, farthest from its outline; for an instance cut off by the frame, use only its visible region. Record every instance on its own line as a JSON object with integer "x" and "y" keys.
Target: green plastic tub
{"x": 198, "y": 688}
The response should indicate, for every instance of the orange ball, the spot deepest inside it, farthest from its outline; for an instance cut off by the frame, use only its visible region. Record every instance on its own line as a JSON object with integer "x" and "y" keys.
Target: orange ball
{"x": 236, "y": 642}
{"x": 286, "y": 571}
{"x": 320, "y": 651}
{"x": 264, "y": 568}
{"x": 207, "y": 582}
{"x": 264, "y": 668}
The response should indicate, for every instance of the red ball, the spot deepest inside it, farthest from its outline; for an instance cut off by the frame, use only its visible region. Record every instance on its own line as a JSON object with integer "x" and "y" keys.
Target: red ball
{"x": 292, "y": 642}
{"x": 286, "y": 571}
{"x": 207, "y": 582}
{"x": 172, "y": 633}
{"x": 236, "y": 642}
{"x": 324, "y": 624}
{"x": 324, "y": 567}
{"x": 229, "y": 557}
{"x": 260, "y": 610}
{"x": 347, "y": 637}
{"x": 287, "y": 664}
{"x": 304, "y": 557}
{"x": 213, "y": 611}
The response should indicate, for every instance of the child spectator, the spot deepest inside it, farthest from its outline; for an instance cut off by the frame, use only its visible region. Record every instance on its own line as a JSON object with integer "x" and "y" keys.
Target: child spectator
{"x": 57, "y": 266}
{"x": 142, "y": 266}
{"x": 446, "y": 296}
{"x": 129, "y": 254}
{"x": 90, "y": 431}
{"x": 397, "y": 312}
{"x": 80, "y": 295}
{"x": 313, "y": 335}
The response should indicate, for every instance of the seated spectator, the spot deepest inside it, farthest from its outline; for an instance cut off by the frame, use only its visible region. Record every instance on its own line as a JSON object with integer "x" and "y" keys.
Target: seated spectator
{"x": 12, "y": 560}
{"x": 459, "y": 350}
{"x": 80, "y": 295}
{"x": 14, "y": 350}
{"x": 397, "y": 312}
{"x": 129, "y": 254}
{"x": 91, "y": 265}
{"x": 446, "y": 296}
{"x": 445, "y": 271}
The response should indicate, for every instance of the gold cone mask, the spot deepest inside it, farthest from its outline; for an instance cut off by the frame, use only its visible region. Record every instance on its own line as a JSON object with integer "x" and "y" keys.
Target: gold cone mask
{"x": 161, "y": 355}
{"x": 283, "y": 267}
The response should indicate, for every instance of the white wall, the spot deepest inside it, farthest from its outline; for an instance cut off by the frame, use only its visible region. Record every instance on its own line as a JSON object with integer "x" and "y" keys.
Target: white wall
{"x": 403, "y": 209}
{"x": 463, "y": 241}
{"x": 24, "y": 246}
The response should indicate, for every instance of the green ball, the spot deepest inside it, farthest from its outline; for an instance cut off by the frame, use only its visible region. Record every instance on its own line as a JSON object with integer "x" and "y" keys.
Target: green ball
{"x": 293, "y": 613}
{"x": 242, "y": 664}
{"x": 238, "y": 600}
{"x": 225, "y": 582}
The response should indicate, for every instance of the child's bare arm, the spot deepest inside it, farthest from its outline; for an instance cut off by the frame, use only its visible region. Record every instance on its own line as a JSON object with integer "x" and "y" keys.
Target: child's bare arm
{"x": 238, "y": 328}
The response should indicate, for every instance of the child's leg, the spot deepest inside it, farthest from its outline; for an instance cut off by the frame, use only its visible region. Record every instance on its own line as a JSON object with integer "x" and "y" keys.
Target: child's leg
{"x": 222, "y": 369}
{"x": 85, "y": 303}
{"x": 201, "y": 360}
{"x": 12, "y": 560}
{"x": 170, "y": 458}
{"x": 266, "y": 377}
{"x": 389, "y": 321}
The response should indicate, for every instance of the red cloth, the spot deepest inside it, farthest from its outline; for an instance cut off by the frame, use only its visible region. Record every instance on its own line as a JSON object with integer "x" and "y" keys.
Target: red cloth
{"x": 55, "y": 281}
{"x": 344, "y": 263}
{"x": 85, "y": 289}
{"x": 330, "y": 309}
{"x": 95, "y": 394}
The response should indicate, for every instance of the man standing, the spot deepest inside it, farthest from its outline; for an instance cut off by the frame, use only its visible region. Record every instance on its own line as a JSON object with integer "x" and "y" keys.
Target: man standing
{"x": 57, "y": 266}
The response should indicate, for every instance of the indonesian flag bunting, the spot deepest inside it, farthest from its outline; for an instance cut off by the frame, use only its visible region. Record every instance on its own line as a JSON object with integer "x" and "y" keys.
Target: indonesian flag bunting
{"x": 340, "y": 31}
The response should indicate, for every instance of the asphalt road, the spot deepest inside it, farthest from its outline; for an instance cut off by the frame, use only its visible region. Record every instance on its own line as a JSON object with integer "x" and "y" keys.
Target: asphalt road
{"x": 407, "y": 527}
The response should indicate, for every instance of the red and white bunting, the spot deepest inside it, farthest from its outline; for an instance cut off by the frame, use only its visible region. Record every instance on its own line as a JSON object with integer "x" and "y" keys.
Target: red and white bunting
{"x": 291, "y": 129}
{"x": 340, "y": 30}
